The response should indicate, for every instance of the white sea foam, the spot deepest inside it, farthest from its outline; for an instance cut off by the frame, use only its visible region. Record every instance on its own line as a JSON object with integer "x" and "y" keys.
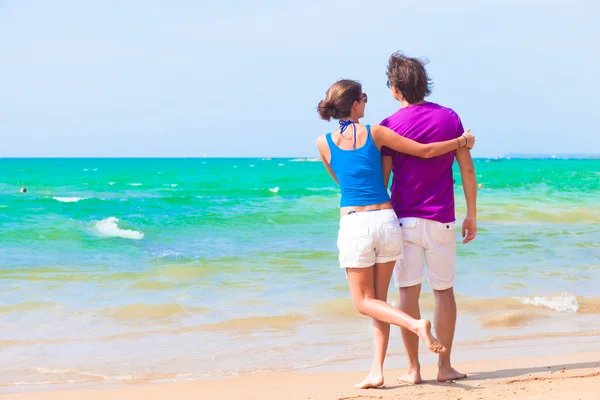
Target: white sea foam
{"x": 111, "y": 183}
{"x": 68, "y": 199}
{"x": 252, "y": 165}
{"x": 281, "y": 165}
{"x": 173, "y": 185}
{"x": 306, "y": 160}
{"x": 274, "y": 190}
{"x": 108, "y": 227}
{"x": 135, "y": 184}
{"x": 166, "y": 254}
{"x": 43, "y": 370}
{"x": 563, "y": 303}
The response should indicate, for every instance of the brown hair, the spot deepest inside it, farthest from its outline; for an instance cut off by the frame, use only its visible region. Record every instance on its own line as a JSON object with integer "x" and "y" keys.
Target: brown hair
{"x": 409, "y": 76}
{"x": 339, "y": 99}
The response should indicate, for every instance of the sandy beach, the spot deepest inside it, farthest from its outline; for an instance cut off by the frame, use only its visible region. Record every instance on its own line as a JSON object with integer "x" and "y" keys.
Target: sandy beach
{"x": 573, "y": 376}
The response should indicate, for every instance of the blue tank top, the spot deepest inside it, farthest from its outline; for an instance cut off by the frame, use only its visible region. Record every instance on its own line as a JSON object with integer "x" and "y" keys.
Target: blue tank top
{"x": 359, "y": 173}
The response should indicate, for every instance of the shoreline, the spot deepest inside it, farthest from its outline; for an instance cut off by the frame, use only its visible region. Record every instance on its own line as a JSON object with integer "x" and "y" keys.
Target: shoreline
{"x": 485, "y": 350}
{"x": 573, "y": 376}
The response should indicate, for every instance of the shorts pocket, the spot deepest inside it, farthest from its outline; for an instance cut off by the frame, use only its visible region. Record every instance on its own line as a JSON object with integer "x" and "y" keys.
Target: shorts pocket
{"x": 408, "y": 226}
{"x": 390, "y": 241}
{"x": 444, "y": 232}
{"x": 353, "y": 240}
{"x": 407, "y": 223}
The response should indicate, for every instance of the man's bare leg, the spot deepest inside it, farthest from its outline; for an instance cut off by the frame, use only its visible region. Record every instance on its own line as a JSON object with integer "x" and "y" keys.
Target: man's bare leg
{"x": 381, "y": 330}
{"x": 409, "y": 303}
{"x": 445, "y": 323}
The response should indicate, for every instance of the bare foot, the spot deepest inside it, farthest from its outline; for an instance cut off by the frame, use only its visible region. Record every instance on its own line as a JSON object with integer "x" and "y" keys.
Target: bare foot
{"x": 411, "y": 377}
{"x": 424, "y": 332}
{"x": 373, "y": 380}
{"x": 451, "y": 374}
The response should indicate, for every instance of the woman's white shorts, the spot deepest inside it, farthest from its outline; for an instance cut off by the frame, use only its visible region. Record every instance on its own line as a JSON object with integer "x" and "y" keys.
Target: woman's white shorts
{"x": 369, "y": 237}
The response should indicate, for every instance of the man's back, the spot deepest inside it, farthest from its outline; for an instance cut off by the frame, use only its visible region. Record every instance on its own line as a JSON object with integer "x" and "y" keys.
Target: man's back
{"x": 424, "y": 188}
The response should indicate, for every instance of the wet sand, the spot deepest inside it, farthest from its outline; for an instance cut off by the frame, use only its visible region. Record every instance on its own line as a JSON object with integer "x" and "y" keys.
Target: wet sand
{"x": 572, "y": 376}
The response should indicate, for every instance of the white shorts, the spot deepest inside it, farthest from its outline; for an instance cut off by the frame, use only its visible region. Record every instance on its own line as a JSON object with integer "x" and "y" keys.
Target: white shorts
{"x": 436, "y": 242}
{"x": 369, "y": 237}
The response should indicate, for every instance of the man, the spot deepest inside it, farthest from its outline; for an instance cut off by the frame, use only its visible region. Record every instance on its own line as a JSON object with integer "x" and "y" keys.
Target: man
{"x": 422, "y": 195}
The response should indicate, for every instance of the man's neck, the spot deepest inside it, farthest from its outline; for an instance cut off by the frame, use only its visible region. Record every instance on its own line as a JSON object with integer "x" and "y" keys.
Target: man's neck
{"x": 404, "y": 103}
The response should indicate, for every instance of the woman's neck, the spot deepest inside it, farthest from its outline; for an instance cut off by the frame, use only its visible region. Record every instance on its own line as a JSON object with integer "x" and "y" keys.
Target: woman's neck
{"x": 353, "y": 119}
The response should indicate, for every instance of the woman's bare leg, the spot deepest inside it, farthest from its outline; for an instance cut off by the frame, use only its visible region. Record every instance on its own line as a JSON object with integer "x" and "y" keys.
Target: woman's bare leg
{"x": 381, "y": 330}
{"x": 362, "y": 289}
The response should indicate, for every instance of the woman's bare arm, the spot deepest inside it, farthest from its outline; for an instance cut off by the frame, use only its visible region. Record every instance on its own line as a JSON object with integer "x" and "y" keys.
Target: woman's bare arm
{"x": 325, "y": 153}
{"x": 386, "y": 137}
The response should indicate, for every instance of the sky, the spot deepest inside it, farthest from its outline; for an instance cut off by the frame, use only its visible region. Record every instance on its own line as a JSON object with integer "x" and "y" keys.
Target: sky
{"x": 148, "y": 78}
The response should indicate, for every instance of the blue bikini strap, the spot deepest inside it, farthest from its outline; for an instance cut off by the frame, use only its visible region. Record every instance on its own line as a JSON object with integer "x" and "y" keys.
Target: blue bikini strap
{"x": 344, "y": 125}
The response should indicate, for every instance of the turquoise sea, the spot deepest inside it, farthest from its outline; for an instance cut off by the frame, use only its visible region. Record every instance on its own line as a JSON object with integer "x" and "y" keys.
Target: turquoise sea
{"x": 135, "y": 270}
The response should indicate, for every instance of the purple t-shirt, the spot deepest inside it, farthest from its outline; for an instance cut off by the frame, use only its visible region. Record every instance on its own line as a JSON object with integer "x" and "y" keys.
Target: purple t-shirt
{"x": 423, "y": 188}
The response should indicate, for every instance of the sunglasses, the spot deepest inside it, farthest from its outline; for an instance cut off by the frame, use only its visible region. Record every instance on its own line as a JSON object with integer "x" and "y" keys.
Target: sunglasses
{"x": 364, "y": 97}
{"x": 388, "y": 84}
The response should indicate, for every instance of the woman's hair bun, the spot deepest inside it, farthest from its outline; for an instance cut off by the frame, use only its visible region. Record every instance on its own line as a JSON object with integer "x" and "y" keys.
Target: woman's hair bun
{"x": 327, "y": 110}
{"x": 339, "y": 99}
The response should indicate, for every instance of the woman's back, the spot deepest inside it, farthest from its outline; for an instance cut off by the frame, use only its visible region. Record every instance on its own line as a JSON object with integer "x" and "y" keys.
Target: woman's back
{"x": 356, "y": 162}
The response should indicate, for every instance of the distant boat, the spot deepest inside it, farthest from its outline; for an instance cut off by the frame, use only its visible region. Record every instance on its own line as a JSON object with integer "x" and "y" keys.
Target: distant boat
{"x": 204, "y": 155}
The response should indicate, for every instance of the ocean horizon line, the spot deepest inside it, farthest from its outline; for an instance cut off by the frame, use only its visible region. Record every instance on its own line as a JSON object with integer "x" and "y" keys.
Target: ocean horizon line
{"x": 521, "y": 156}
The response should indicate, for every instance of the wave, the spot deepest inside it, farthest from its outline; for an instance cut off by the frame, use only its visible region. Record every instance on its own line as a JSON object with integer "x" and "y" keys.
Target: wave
{"x": 506, "y": 319}
{"x": 492, "y": 312}
{"x": 274, "y": 190}
{"x": 511, "y": 214}
{"x": 323, "y": 189}
{"x": 28, "y": 306}
{"x": 530, "y": 336}
{"x": 563, "y": 303}
{"x": 135, "y": 184}
{"x": 154, "y": 285}
{"x": 108, "y": 227}
{"x": 338, "y": 307}
{"x": 170, "y": 254}
{"x": 558, "y": 302}
{"x": 136, "y": 312}
{"x": 57, "y": 376}
{"x": 305, "y": 160}
{"x": 68, "y": 199}
{"x": 277, "y": 322}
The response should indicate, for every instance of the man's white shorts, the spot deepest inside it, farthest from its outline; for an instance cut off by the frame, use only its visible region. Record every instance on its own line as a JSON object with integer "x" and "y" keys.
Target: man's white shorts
{"x": 430, "y": 240}
{"x": 369, "y": 237}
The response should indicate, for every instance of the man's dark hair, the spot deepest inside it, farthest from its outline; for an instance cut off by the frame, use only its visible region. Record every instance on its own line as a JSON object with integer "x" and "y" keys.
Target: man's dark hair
{"x": 409, "y": 76}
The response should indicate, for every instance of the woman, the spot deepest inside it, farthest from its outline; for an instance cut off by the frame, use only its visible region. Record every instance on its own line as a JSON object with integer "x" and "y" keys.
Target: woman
{"x": 370, "y": 238}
